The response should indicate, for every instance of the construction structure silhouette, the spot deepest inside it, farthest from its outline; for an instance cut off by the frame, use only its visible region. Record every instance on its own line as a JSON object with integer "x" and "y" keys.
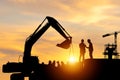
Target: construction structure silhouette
{"x": 111, "y": 49}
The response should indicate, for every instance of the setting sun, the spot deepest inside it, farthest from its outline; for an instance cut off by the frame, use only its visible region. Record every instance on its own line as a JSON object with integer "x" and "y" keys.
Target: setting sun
{"x": 72, "y": 59}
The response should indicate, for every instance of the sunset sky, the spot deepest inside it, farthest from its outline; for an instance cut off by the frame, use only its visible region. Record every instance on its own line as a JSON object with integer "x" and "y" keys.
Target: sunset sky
{"x": 82, "y": 19}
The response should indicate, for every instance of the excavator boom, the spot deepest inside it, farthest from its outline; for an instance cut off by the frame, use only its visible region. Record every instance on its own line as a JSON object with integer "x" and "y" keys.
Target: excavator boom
{"x": 31, "y": 62}
{"x": 30, "y": 41}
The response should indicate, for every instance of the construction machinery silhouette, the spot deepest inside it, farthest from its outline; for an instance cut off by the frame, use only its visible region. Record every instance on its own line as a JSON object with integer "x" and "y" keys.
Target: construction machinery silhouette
{"x": 31, "y": 63}
{"x": 111, "y": 49}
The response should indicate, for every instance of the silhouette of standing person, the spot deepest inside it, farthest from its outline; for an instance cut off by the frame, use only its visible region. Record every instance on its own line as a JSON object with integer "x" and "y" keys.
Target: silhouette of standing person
{"x": 90, "y": 48}
{"x": 82, "y": 47}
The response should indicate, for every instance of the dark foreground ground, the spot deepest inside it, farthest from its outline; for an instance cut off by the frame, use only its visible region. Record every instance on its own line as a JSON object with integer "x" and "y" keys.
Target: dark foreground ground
{"x": 90, "y": 69}
{"x": 102, "y": 69}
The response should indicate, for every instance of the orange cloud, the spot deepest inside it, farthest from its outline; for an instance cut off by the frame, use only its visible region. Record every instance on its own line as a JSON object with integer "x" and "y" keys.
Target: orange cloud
{"x": 85, "y": 11}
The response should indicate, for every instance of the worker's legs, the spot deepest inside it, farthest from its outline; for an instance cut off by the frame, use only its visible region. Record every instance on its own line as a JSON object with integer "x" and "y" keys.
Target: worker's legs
{"x": 81, "y": 58}
{"x": 91, "y": 55}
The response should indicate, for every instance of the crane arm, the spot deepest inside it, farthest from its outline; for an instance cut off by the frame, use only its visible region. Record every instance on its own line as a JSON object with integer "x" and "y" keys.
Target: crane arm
{"x": 40, "y": 31}
{"x": 109, "y": 34}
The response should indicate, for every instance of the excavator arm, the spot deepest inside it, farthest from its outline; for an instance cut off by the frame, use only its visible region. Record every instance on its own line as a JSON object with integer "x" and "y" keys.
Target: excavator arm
{"x": 30, "y": 41}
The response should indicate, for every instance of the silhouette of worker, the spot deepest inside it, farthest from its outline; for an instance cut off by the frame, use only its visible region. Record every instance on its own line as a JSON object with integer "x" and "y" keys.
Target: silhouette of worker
{"x": 82, "y": 47}
{"x": 90, "y": 48}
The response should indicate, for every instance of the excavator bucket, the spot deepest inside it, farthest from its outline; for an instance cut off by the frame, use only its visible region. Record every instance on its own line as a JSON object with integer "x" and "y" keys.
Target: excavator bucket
{"x": 65, "y": 44}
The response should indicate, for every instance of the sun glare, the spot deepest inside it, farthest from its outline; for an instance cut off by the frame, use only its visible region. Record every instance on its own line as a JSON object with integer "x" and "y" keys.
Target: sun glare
{"x": 72, "y": 59}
